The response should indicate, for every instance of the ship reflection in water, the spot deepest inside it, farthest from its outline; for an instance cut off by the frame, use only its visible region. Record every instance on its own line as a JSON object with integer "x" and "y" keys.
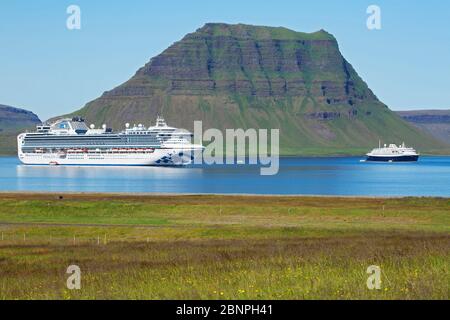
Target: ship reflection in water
{"x": 308, "y": 176}
{"x": 101, "y": 178}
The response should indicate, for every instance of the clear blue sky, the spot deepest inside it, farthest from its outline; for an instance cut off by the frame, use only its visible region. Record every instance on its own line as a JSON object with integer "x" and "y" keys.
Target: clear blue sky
{"x": 51, "y": 70}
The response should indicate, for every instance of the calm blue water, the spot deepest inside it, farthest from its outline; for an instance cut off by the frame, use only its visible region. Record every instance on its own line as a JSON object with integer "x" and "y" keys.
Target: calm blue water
{"x": 309, "y": 176}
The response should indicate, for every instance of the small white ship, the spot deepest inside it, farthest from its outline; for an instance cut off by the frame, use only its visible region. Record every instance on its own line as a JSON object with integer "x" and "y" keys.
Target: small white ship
{"x": 72, "y": 142}
{"x": 393, "y": 153}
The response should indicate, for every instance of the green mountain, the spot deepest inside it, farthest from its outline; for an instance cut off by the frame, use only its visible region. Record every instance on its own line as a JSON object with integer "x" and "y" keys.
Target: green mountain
{"x": 12, "y": 122}
{"x": 243, "y": 76}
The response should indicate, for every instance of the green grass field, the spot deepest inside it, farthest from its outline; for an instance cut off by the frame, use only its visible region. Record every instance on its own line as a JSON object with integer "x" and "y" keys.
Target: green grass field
{"x": 223, "y": 247}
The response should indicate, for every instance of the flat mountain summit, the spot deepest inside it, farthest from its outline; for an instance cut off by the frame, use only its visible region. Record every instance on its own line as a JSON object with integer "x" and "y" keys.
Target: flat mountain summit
{"x": 244, "y": 76}
{"x": 12, "y": 122}
{"x": 435, "y": 122}
{"x": 13, "y": 119}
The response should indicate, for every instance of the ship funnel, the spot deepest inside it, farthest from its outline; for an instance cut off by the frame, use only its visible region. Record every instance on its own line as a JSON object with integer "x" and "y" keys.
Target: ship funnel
{"x": 160, "y": 122}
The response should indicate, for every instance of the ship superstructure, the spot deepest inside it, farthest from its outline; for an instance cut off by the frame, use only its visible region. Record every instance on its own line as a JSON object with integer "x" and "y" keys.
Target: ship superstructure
{"x": 72, "y": 142}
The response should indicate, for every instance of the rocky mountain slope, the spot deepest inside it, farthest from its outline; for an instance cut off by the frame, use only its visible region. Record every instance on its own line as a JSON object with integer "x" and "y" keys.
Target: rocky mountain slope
{"x": 435, "y": 122}
{"x": 242, "y": 76}
{"x": 12, "y": 121}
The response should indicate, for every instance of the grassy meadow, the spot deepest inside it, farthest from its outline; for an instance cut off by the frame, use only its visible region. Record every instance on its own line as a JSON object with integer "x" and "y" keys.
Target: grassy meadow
{"x": 223, "y": 247}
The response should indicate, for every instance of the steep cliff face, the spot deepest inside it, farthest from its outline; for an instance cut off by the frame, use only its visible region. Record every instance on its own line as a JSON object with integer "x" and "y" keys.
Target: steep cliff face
{"x": 252, "y": 61}
{"x": 435, "y": 122}
{"x": 241, "y": 76}
{"x": 12, "y": 121}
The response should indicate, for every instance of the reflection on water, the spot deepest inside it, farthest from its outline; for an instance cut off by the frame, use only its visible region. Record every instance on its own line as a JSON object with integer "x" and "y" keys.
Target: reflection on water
{"x": 100, "y": 178}
{"x": 93, "y": 172}
{"x": 320, "y": 176}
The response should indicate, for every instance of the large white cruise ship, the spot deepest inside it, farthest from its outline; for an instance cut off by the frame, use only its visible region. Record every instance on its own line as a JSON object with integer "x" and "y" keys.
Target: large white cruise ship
{"x": 72, "y": 142}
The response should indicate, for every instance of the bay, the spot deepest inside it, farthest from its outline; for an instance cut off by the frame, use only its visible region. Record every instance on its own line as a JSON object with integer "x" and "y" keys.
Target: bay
{"x": 345, "y": 176}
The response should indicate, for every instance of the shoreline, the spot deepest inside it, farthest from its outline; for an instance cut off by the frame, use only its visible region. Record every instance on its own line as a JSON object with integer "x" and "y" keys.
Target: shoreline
{"x": 140, "y": 195}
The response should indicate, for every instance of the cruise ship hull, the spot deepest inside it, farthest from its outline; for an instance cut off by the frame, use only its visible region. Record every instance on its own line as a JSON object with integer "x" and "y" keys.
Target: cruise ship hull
{"x": 160, "y": 157}
{"x": 407, "y": 158}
